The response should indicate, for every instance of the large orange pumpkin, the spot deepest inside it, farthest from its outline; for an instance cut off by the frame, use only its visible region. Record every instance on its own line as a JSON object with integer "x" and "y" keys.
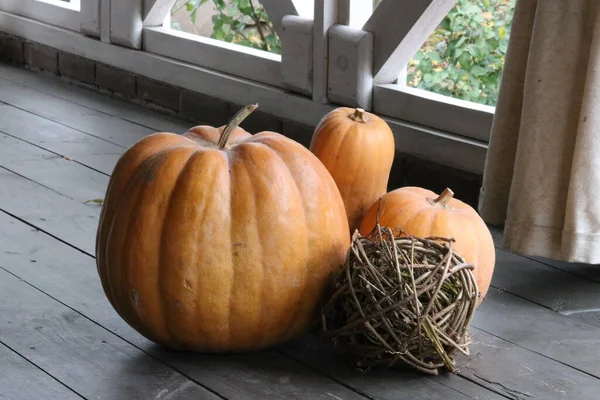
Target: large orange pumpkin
{"x": 357, "y": 147}
{"x": 420, "y": 212}
{"x": 218, "y": 240}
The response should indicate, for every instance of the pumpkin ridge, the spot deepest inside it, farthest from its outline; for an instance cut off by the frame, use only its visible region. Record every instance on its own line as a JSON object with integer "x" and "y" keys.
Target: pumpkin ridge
{"x": 286, "y": 167}
{"x": 134, "y": 198}
{"x": 159, "y": 278}
{"x": 107, "y": 220}
{"x": 124, "y": 195}
{"x": 242, "y": 151}
{"x": 234, "y": 260}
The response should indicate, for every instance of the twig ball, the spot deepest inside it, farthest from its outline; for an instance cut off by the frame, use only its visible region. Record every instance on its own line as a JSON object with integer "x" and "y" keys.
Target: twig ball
{"x": 401, "y": 300}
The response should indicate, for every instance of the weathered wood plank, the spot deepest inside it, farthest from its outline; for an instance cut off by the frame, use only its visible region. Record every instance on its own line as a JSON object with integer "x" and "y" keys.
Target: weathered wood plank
{"x": 52, "y": 266}
{"x": 68, "y": 220}
{"x": 384, "y": 384}
{"x": 521, "y": 374}
{"x": 96, "y": 101}
{"x": 524, "y": 323}
{"x": 109, "y": 128}
{"x": 80, "y": 354}
{"x": 22, "y": 380}
{"x": 63, "y": 176}
{"x": 558, "y": 290}
{"x": 59, "y": 139}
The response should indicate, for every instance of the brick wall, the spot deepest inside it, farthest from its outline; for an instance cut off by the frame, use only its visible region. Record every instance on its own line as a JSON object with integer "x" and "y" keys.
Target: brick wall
{"x": 198, "y": 107}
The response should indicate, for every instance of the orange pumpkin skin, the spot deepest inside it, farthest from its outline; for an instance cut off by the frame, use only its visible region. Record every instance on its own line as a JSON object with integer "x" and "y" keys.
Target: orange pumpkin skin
{"x": 420, "y": 212}
{"x": 358, "y": 149}
{"x": 220, "y": 250}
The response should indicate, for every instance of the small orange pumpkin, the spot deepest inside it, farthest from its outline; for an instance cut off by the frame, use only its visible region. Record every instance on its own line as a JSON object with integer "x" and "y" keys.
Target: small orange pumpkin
{"x": 420, "y": 212}
{"x": 357, "y": 147}
{"x": 218, "y": 240}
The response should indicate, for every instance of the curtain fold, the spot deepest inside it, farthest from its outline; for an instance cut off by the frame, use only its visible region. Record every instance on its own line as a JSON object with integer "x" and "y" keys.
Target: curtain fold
{"x": 542, "y": 174}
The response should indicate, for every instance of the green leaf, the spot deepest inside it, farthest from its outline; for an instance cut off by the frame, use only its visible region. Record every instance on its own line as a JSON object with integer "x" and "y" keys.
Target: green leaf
{"x": 474, "y": 50}
{"x": 478, "y": 71}
{"x": 425, "y": 65}
{"x": 419, "y": 56}
{"x": 433, "y": 56}
{"x": 465, "y": 60}
{"x": 446, "y": 24}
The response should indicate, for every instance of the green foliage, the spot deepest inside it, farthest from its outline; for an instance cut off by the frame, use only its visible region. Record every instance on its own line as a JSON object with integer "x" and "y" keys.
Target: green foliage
{"x": 464, "y": 58}
{"x": 238, "y": 21}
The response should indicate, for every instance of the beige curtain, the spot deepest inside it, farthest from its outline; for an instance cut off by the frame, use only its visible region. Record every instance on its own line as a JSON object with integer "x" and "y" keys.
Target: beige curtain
{"x": 542, "y": 174}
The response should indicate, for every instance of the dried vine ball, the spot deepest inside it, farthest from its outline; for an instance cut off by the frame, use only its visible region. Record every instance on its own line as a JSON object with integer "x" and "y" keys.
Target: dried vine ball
{"x": 403, "y": 300}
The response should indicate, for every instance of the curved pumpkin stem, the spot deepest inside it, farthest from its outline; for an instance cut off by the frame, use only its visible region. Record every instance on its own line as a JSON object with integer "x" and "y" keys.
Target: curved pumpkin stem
{"x": 359, "y": 115}
{"x": 233, "y": 123}
{"x": 444, "y": 197}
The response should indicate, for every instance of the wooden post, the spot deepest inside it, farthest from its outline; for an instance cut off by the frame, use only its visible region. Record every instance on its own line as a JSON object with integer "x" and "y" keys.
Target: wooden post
{"x": 297, "y": 54}
{"x": 126, "y": 23}
{"x": 326, "y": 14}
{"x": 91, "y": 18}
{"x": 350, "y": 67}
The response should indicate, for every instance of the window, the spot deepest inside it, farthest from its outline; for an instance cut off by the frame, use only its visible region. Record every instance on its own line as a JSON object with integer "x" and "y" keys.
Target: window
{"x": 237, "y": 37}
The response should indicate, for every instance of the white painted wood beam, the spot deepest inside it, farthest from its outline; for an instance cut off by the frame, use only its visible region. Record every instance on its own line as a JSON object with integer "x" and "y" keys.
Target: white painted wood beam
{"x": 126, "y": 23}
{"x": 400, "y": 27}
{"x": 156, "y": 11}
{"x": 326, "y": 15}
{"x": 297, "y": 54}
{"x": 230, "y": 58}
{"x": 350, "y": 67}
{"x": 91, "y": 18}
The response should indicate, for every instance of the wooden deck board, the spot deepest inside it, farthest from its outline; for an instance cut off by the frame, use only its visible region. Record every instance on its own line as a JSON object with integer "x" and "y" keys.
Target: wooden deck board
{"x": 87, "y": 98}
{"x": 78, "y": 353}
{"x": 21, "y": 379}
{"x": 522, "y": 349}
{"x": 94, "y": 123}
{"x": 59, "y": 139}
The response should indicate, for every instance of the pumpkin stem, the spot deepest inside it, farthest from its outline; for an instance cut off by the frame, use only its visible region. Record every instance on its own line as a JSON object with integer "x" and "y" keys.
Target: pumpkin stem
{"x": 359, "y": 115}
{"x": 233, "y": 123}
{"x": 444, "y": 197}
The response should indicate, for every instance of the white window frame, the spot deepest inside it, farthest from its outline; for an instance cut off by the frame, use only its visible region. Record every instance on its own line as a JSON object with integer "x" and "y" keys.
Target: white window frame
{"x": 237, "y": 60}
{"x": 77, "y": 15}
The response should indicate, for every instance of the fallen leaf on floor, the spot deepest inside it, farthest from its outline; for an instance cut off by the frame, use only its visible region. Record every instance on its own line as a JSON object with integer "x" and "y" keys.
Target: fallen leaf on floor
{"x": 97, "y": 201}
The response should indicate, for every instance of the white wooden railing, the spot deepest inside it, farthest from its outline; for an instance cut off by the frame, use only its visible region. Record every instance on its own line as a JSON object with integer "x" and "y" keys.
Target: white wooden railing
{"x": 334, "y": 52}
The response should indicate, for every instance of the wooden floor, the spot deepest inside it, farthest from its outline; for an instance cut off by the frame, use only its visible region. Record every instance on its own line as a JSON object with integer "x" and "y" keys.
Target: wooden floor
{"x": 537, "y": 335}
